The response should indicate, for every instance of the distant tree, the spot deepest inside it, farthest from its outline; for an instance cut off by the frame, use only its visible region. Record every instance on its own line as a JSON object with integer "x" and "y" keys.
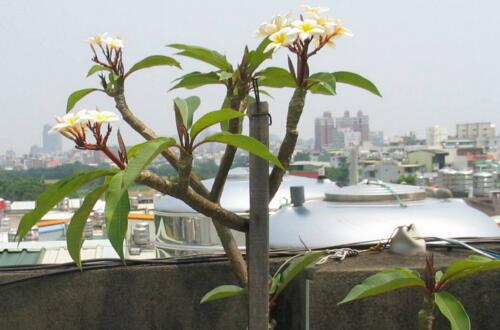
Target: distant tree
{"x": 205, "y": 169}
{"x": 408, "y": 179}
{"x": 17, "y": 187}
{"x": 240, "y": 160}
{"x": 301, "y": 156}
{"x": 324, "y": 157}
{"x": 338, "y": 174}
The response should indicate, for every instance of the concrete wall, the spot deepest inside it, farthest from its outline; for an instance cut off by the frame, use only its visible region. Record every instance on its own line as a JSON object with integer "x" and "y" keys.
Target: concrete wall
{"x": 167, "y": 297}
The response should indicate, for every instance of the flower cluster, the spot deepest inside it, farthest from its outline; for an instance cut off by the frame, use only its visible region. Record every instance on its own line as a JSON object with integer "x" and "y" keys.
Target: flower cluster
{"x": 74, "y": 126}
{"x": 297, "y": 35}
{"x": 108, "y": 52}
{"x": 104, "y": 40}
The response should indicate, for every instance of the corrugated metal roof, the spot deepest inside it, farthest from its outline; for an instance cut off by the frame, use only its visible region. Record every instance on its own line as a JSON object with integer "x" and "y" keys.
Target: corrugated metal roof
{"x": 11, "y": 257}
{"x": 56, "y": 252}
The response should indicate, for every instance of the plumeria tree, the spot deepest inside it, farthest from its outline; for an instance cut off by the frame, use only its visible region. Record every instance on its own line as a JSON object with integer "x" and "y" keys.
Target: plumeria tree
{"x": 302, "y": 37}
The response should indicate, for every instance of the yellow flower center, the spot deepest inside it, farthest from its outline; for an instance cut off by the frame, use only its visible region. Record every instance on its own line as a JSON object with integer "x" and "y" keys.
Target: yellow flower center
{"x": 306, "y": 27}
{"x": 281, "y": 38}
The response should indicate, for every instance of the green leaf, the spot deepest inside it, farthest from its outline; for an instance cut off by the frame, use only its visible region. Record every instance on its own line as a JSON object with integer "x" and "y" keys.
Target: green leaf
{"x": 468, "y": 266}
{"x": 438, "y": 276}
{"x": 152, "y": 61}
{"x": 384, "y": 281}
{"x": 276, "y": 77}
{"x": 296, "y": 267}
{"x": 143, "y": 157}
{"x": 197, "y": 79}
{"x": 275, "y": 282}
{"x": 74, "y": 235}
{"x": 213, "y": 118}
{"x": 53, "y": 195}
{"x": 247, "y": 143}
{"x": 322, "y": 83}
{"x": 203, "y": 54}
{"x": 354, "y": 79}
{"x": 96, "y": 68}
{"x": 183, "y": 110}
{"x": 453, "y": 310}
{"x": 192, "y": 102}
{"x": 116, "y": 212}
{"x": 222, "y": 292}
{"x": 257, "y": 56}
{"x": 77, "y": 96}
{"x": 186, "y": 108}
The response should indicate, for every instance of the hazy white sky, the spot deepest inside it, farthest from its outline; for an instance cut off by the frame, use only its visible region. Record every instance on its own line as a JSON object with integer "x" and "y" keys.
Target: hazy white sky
{"x": 435, "y": 62}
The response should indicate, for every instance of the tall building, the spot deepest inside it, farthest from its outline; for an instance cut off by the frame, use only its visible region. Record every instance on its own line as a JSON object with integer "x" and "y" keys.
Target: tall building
{"x": 52, "y": 143}
{"x": 360, "y": 123}
{"x": 476, "y": 131}
{"x": 480, "y": 133}
{"x": 323, "y": 131}
{"x": 377, "y": 138}
{"x": 435, "y": 136}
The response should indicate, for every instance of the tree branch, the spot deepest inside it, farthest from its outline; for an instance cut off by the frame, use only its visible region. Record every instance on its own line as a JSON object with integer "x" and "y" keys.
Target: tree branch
{"x": 287, "y": 147}
{"x": 118, "y": 94}
{"x": 194, "y": 200}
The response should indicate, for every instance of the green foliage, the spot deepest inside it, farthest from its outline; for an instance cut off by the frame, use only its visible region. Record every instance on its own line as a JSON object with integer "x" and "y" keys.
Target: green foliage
{"x": 96, "y": 68}
{"x": 240, "y": 160}
{"x": 53, "y": 195}
{"x": 281, "y": 280}
{"x": 74, "y": 235}
{"x": 152, "y": 61}
{"x": 222, "y": 292}
{"x": 468, "y": 266}
{"x": 340, "y": 175}
{"x": 77, "y": 96}
{"x": 247, "y": 143}
{"x": 212, "y": 118}
{"x": 205, "y": 168}
{"x": 322, "y": 83}
{"x": 203, "y": 54}
{"x": 301, "y": 156}
{"x": 448, "y": 305}
{"x": 276, "y": 78}
{"x": 385, "y": 281}
{"x": 18, "y": 187}
{"x": 408, "y": 179}
{"x": 186, "y": 108}
{"x": 116, "y": 212}
{"x": 197, "y": 79}
{"x": 257, "y": 57}
{"x": 453, "y": 310}
{"x": 355, "y": 79}
{"x": 117, "y": 203}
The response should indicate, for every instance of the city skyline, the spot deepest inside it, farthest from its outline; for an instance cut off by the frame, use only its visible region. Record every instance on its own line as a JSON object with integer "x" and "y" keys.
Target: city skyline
{"x": 429, "y": 71}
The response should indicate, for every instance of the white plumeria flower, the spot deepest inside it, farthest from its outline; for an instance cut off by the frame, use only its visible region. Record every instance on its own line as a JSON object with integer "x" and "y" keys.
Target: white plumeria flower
{"x": 307, "y": 28}
{"x": 98, "y": 39}
{"x": 341, "y": 30}
{"x": 101, "y": 117}
{"x": 279, "y": 22}
{"x": 327, "y": 24}
{"x": 314, "y": 10}
{"x": 114, "y": 43}
{"x": 282, "y": 38}
{"x": 69, "y": 120}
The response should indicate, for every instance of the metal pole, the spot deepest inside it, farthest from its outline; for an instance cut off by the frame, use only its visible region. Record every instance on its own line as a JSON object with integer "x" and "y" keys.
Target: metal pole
{"x": 258, "y": 235}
